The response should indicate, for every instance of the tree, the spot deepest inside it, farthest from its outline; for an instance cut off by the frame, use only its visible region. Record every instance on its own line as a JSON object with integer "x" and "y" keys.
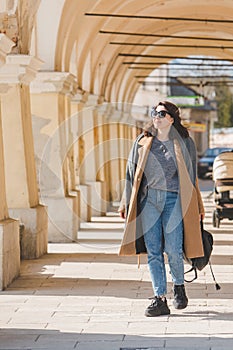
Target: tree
{"x": 224, "y": 99}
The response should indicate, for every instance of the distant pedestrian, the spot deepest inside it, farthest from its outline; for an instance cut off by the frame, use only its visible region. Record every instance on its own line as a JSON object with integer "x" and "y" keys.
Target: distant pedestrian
{"x": 162, "y": 203}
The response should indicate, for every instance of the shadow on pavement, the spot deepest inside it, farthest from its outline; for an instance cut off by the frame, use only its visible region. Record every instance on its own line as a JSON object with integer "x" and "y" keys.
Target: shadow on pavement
{"x": 54, "y": 339}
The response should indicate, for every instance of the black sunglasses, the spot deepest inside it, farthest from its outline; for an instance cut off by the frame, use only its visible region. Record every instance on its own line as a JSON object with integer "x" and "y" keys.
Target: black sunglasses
{"x": 160, "y": 114}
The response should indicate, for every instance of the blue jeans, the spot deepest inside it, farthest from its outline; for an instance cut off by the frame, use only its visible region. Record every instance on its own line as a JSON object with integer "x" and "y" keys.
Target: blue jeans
{"x": 163, "y": 232}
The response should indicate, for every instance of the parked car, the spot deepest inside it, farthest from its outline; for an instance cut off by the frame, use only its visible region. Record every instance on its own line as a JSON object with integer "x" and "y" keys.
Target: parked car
{"x": 205, "y": 163}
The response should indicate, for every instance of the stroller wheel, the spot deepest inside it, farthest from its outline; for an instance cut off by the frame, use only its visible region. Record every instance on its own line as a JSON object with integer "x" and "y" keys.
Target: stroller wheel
{"x": 216, "y": 220}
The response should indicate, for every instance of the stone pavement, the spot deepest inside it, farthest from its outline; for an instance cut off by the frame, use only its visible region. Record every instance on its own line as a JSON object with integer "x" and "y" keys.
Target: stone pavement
{"x": 84, "y": 297}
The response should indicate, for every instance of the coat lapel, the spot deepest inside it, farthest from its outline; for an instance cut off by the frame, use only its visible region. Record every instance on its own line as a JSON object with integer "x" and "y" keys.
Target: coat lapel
{"x": 128, "y": 242}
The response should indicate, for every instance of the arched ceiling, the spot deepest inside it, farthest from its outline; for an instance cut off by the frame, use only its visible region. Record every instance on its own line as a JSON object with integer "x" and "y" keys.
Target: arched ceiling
{"x": 181, "y": 28}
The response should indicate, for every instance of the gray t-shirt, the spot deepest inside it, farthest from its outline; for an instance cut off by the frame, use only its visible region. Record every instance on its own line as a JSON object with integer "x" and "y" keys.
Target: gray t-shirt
{"x": 161, "y": 168}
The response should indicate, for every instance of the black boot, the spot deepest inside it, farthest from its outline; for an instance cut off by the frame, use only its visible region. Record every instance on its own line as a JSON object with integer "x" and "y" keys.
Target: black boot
{"x": 180, "y": 298}
{"x": 157, "y": 307}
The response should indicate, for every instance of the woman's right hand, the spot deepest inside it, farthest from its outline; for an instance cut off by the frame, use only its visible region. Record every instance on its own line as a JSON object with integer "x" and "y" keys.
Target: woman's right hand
{"x": 122, "y": 214}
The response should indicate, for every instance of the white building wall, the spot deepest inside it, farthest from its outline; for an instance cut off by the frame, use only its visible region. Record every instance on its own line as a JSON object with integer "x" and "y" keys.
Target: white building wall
{"x": 149, "y": 95}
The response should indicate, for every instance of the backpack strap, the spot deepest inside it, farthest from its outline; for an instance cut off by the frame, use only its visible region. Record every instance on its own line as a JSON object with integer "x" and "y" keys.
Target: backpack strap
{"x": 217, "y": 286}
{"x": 195, "y": 274}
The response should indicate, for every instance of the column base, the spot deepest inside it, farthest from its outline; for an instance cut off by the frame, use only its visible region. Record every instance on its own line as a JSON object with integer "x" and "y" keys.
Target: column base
{"x": 85, "y": 202}
{"x": 34, "y": 231}
{"x": 63, "y": 218}
{"x": 9, "y": 252}
{"x": 98, "y": 198}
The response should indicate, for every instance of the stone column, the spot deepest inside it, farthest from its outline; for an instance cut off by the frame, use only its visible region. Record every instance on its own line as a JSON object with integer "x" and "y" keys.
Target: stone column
{"x": 124, "y": 150}
{"x": 91, "y": 133}
{"x": 83, "y": 189}
{"x": 114, "y": 117}
{"x": 9, "y": 228}
{"x": 120, "y": 127}
{"x": 21, "y": 183}
{"x": 134, "y": 132}
{"x": 54, "y": 136}
{"x": 103, "y": 156}
{"x": 104, "y": 110}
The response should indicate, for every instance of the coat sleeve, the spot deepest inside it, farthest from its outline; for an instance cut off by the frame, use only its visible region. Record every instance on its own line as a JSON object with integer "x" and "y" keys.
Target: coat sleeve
{"x": 129, "y": 178}
{"x": 193, "y": 157}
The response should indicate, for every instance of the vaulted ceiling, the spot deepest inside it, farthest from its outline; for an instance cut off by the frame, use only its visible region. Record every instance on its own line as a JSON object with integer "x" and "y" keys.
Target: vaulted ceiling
{"x": 108, "y": 43}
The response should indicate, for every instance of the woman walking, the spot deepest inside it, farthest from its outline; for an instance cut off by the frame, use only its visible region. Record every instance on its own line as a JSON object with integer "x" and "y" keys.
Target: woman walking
{"x": 162, "y": 203}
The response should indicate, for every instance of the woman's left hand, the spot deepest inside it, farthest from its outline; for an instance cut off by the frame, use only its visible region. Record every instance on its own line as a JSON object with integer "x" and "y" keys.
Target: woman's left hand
{"x": 202, "y": 216}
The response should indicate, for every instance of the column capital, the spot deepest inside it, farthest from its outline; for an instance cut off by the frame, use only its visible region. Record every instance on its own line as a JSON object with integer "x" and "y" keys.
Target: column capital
{"x": 92, "y": 100}
{"x": 60, "y": 82}
{"x": 5, "y": 47}
{"x": 116, "y": 115}
{"x": 19, "y": 69}
{"x": 80, "y": 96}
{"x": 103, "y": 109}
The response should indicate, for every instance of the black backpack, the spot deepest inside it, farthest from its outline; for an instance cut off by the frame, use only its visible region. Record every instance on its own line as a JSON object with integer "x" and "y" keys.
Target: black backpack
{"x": 200, "y": 262}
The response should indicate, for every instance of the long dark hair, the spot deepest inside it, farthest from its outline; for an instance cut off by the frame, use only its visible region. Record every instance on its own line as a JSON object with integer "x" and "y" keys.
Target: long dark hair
{"x": 174, "y": 111}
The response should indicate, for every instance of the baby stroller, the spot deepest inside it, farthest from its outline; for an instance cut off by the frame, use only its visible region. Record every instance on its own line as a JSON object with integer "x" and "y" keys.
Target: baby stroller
{"x": 223, "y": 187}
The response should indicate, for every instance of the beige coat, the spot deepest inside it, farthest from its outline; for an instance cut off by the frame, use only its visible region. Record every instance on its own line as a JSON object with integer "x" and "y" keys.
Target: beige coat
{"x": 191, "y": 203}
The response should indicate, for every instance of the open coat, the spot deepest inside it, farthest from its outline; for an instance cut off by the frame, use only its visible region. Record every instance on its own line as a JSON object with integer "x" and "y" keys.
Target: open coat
{"x": 191, "y": 201}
